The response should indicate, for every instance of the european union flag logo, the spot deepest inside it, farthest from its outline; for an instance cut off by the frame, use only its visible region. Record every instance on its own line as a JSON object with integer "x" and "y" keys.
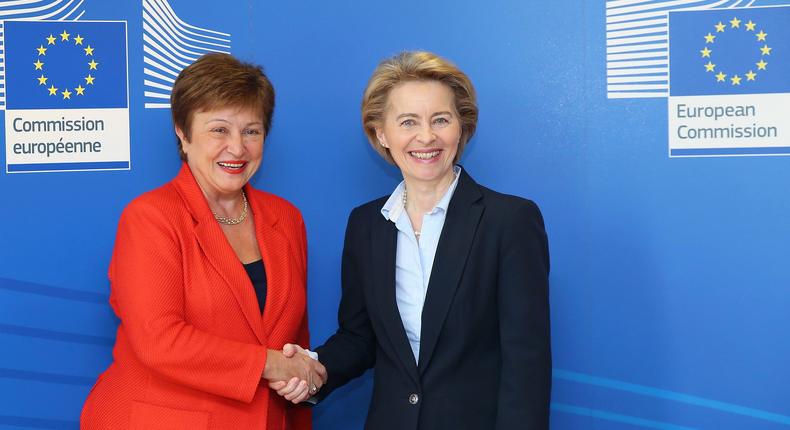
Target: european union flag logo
{"x": 65, "y": 65}
{"x": 729, "y": 51}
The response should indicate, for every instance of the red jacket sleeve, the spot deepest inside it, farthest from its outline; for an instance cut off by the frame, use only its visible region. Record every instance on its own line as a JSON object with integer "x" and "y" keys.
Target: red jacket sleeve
{"x": 300, "y": 416}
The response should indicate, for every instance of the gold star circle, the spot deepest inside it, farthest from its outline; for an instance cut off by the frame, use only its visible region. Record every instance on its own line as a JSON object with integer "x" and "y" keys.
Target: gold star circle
{"x": 763, "y": 48}
{"x": 41, "y": 51}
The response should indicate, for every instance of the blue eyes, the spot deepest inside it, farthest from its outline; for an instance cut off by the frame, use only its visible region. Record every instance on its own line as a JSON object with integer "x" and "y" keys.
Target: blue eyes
{"x": 441, "y": 121}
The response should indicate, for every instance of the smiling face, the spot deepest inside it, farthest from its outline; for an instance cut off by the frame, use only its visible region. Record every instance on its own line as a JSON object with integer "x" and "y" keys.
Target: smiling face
{"x": 421, "y": 129}
{"x": 224, "y": 149}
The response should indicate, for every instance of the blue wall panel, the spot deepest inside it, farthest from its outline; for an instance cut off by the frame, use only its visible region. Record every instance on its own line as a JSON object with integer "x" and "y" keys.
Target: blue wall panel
{"x": 669, "y": 284}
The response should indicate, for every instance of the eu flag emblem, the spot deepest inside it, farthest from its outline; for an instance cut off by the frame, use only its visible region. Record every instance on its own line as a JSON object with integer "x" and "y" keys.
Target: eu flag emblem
{"x": 730, "y": 51}
{"x": 729, "y": 82}
{"x": 67, "y": 102}
{"x": 57, "y": 64}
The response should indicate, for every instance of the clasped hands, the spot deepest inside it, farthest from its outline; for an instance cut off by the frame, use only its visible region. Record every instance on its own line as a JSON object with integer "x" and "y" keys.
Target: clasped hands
{"x": 293, "y": 373}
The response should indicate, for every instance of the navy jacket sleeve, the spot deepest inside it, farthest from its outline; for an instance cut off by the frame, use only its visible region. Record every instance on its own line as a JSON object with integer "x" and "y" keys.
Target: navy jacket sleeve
{"x": 352, "y": 349}
{"x": 523, "y": 294}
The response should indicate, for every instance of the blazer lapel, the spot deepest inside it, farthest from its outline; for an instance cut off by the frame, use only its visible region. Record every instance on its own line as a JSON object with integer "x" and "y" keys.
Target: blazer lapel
{"x": 276, "y": 253}
{"x": 460, "y": 226}
{"x": 384, "y": 241}
{"x": 218, "y": 251}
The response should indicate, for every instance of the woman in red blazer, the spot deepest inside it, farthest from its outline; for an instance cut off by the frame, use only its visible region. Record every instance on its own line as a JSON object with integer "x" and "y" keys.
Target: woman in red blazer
{"x": 208, "y": 276}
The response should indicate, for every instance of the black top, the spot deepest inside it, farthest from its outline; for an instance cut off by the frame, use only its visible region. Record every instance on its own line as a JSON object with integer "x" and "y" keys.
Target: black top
{"x": 257, "y": 273}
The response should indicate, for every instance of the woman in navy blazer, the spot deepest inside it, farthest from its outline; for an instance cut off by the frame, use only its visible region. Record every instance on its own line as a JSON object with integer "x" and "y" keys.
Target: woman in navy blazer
{"x": 445, "y": 282}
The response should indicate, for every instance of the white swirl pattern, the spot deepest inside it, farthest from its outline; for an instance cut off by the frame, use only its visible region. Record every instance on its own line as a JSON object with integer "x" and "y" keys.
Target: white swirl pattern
{"x": 637, "y": 43}
{"x": 169, "y": 45}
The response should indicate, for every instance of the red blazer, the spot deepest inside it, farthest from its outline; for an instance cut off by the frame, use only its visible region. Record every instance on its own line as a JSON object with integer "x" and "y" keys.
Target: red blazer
{"x": 191, "y": 345}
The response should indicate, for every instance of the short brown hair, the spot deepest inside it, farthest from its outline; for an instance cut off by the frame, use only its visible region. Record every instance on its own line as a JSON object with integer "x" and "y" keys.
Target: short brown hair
{"x": 218, "y": 80}
{"x": 417, "y": 66}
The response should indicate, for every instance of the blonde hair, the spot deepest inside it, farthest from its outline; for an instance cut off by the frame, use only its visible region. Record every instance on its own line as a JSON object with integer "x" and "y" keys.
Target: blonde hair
{"x": 417, "y": 66}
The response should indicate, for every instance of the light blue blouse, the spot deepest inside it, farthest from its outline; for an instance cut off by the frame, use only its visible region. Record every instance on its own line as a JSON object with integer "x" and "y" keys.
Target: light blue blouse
{"x": 414, "y": 259}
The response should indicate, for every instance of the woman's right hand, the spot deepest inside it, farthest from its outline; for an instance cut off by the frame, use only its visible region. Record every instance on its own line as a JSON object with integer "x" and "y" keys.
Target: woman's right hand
{"x": 296, "y": 376}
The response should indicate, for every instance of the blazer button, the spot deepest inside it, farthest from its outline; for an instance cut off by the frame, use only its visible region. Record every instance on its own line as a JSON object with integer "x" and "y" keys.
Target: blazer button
{"x": 414, "y": 399}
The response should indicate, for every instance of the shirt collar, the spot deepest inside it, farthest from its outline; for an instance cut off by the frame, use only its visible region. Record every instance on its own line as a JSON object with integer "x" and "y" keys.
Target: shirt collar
{"x": 393, "y": 208}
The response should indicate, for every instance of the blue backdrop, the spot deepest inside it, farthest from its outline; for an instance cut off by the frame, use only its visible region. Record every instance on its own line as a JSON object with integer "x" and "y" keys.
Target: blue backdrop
{"x": 670, "y": 276}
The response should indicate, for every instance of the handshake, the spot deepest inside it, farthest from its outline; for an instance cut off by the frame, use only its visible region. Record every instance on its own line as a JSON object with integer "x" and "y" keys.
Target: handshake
{"x": 293, "y": 373}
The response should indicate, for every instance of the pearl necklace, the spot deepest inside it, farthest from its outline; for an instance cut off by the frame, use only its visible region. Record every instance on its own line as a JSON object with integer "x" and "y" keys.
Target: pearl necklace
{"x": 416, "y": 232}
{"x": 234, "y": 221}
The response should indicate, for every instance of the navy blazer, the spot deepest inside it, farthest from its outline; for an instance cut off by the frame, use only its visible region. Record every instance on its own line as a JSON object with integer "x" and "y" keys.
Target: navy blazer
{"x": 485, "y": 350}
